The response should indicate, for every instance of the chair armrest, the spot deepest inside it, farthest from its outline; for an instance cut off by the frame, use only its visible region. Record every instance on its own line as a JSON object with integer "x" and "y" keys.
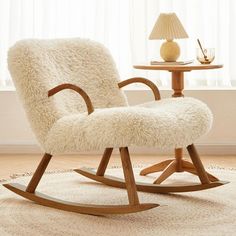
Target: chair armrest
{"x": 149, "y": 83}
{"x": 83, "y": 94}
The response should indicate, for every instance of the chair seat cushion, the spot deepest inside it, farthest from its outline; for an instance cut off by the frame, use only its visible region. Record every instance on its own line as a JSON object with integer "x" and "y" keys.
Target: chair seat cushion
{"x": 167, "y": 123}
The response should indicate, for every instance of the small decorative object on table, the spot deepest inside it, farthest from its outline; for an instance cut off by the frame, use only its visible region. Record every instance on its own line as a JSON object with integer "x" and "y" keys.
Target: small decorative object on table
{"x": 171, "y": 63}
{"x": 205, "y": 55}
{"x": 169, "y": 27}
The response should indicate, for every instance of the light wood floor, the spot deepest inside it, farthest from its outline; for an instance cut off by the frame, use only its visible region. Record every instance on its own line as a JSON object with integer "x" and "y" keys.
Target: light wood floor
{"x": 18, "y": 164}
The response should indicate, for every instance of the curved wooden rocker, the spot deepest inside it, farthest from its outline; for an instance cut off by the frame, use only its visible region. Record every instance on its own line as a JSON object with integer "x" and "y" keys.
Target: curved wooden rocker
{"x": 42, "y": 199}
{"x": 45, "y": 200}
{"x": 207, "y": 180}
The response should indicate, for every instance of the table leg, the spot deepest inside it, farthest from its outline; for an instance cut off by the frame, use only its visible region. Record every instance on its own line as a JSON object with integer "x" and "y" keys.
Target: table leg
{"x": 179, "y": 159}
{"x": 178, "y": 86}
{"x": 177, "y": 83}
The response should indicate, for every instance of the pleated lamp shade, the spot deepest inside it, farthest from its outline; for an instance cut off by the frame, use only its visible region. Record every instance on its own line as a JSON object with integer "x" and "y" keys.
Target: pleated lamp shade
{"x": 168, "y": 26}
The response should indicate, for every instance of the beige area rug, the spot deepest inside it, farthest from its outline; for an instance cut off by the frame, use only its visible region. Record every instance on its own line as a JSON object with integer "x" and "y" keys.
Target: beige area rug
{"x": 209, "y": 212}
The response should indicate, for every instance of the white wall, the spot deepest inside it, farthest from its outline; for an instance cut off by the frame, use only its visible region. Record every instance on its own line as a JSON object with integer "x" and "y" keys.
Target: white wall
{"x": 16, "y": 136}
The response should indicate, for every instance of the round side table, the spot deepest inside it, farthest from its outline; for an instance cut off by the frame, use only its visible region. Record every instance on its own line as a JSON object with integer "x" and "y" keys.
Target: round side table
{"x": 177, "y": 72}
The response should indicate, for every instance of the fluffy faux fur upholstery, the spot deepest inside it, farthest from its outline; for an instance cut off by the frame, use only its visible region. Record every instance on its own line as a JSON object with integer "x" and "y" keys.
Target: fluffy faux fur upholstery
{"x": 61, "y": 123}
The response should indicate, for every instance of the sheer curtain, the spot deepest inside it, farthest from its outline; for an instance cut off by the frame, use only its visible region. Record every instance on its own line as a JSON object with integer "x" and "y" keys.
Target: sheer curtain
{"x": 124, "y": 26}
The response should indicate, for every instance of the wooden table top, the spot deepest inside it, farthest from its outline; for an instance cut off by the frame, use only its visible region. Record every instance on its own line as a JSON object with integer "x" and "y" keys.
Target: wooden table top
{"x": 188, "y": 67}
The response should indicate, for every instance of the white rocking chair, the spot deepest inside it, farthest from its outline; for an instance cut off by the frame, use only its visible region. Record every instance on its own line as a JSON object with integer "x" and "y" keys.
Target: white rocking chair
{"x": 99, "y": 118}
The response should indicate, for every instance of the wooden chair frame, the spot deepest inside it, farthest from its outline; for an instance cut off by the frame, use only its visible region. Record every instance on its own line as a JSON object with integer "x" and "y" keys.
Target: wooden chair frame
{"x": 169, "y": 167}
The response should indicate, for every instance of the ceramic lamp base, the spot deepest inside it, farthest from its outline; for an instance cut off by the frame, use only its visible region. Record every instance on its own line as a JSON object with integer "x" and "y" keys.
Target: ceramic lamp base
{"x": 170, "y": 51}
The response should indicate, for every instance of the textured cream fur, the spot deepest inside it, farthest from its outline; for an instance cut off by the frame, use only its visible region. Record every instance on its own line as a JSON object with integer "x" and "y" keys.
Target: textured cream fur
{"x": 61, "y": 123}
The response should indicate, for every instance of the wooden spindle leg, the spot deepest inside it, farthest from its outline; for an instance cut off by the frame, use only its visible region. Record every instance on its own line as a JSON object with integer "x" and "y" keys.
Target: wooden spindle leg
{"x": 38, "y": 173}
{"x": 104, "y": 162}
{"x": 129, "y": 176}
{"x": 198, "y": 164}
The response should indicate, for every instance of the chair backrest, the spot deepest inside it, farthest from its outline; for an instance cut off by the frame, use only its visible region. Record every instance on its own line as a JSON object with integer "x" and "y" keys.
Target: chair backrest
{"x": 37, "y": 66}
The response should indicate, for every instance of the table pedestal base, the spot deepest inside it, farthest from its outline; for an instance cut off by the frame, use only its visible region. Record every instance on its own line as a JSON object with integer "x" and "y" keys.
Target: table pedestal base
{"x": 178, "y": 164}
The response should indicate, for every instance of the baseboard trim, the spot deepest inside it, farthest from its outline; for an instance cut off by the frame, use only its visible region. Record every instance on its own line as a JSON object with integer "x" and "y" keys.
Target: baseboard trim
{"x": 20, "y": 148}
{"x": 204, "y": 149}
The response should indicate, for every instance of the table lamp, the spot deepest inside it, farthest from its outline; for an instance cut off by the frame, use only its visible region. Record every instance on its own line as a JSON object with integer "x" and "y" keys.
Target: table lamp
{"x": 169, "y": 27}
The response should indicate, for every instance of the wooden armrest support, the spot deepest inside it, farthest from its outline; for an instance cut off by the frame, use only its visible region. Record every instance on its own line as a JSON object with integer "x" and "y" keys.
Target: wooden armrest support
{"x": 149, "y": 83}
{"x": 83, "y": 94}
